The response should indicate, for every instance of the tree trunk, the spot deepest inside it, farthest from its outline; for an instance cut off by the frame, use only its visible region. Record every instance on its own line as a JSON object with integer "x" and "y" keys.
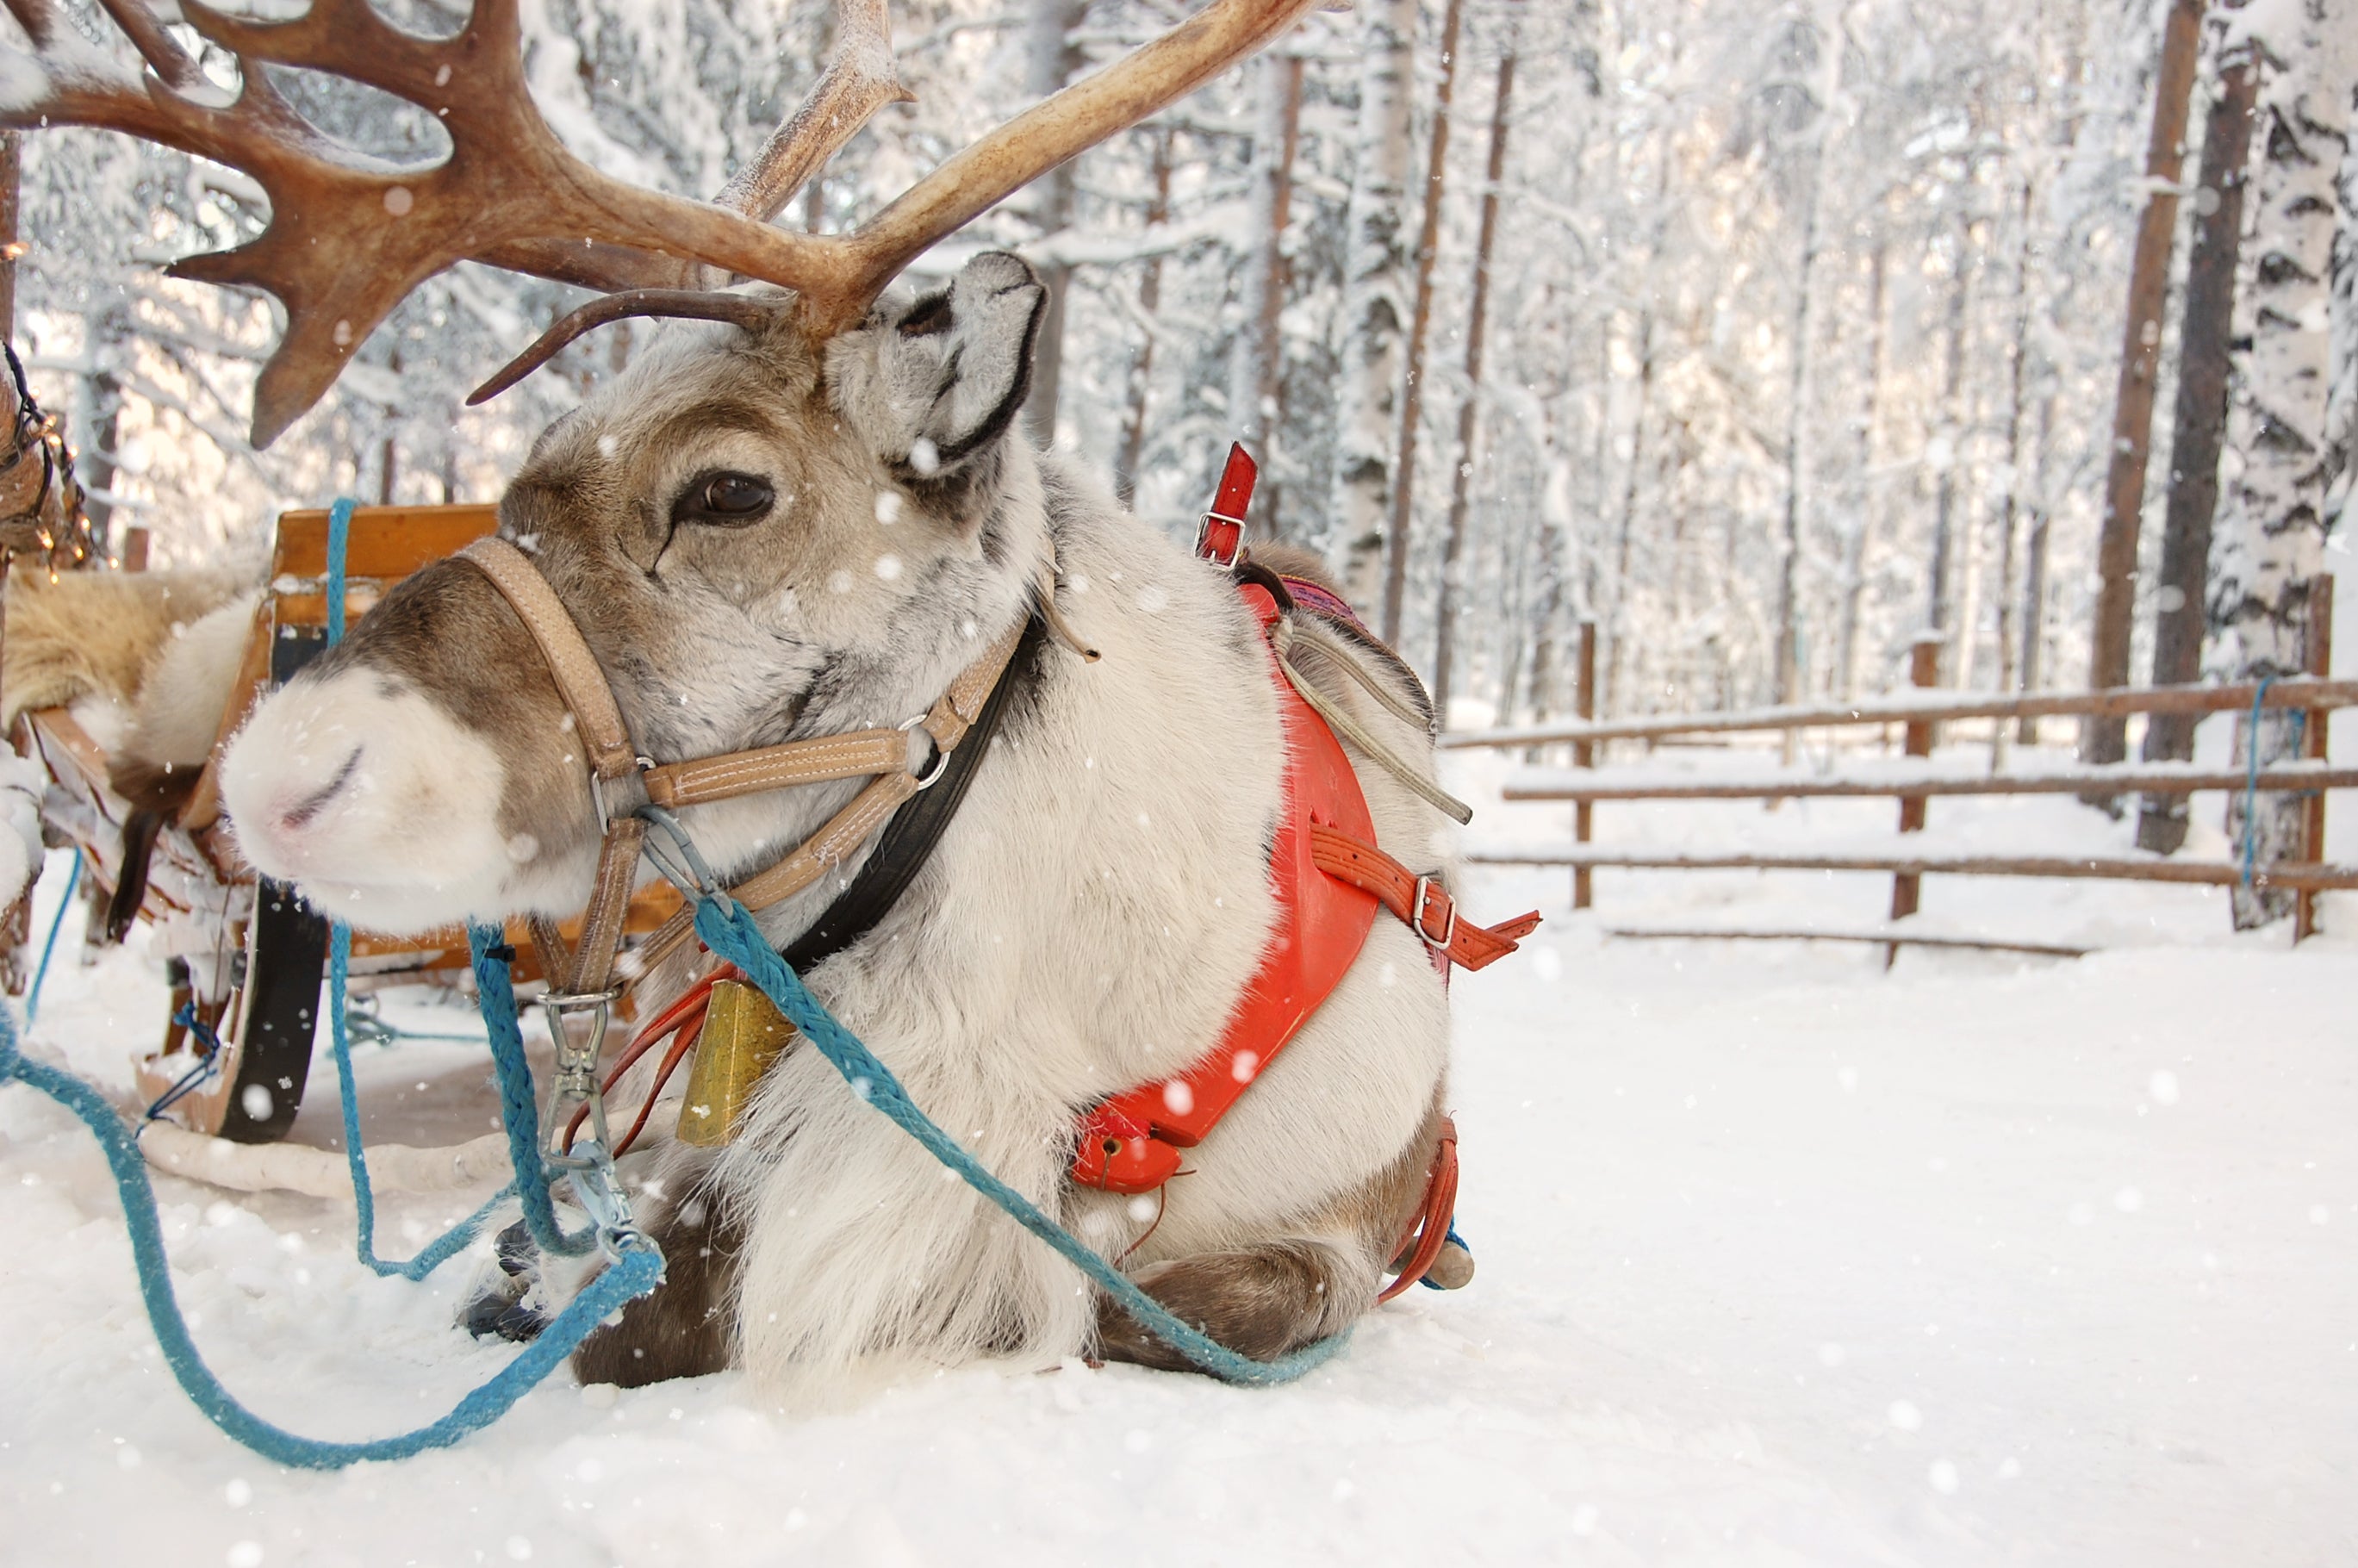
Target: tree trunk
{"x": 2269, "y": 540}
{"x": 1787, "y": 672}
{"x": 1052, "y": 58}
{"x": 1951, "y": 389}
{"x": 2200, "y": 425}
{"x": 11, "y": 179}
{"x": 2010, "y": 517}
{"x": 1375, "y": 302}
{"x": 95, "y": 418}
{"x": 1420, "y": 325}
{"x": 2341, "y": 402}
{"x": 1257, "y": 373}
{"x": 1150, "y": 301}
{"x": 2034, "y": 569}
{"x": 1618, "y": 625}
{"x": 1862, "y": 527}
{"x": 1477, "y": 315}
{"x": 2105, "y": 739}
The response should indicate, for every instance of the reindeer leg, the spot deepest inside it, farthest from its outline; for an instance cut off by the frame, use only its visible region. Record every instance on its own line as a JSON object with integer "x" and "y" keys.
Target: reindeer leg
{"x": 688, "y": 1328}
{"x": 1261, "y": 1301}
{"x": 1266, "y": 1299}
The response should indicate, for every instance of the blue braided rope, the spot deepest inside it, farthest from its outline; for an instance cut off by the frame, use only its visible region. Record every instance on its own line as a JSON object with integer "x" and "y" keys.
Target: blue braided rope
{"x": 2251, "y": 778}
{"x": 207, "y": 1063}
{"x": 50, "y": 947}
{"x": 729, "y": 930}
{"x": 519, "y": 1111}
{"x": 451, "y": 1242}
{"x": 340, "y": 538}
{"x": 636, "y": 1272}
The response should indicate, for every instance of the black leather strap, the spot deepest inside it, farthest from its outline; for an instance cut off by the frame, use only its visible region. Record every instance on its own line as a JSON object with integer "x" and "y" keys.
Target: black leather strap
{"x": 906, "y": 841}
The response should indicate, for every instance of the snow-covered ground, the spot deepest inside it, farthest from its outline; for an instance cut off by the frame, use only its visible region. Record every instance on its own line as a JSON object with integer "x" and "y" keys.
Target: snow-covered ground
{"x": 1783, "y": 1260}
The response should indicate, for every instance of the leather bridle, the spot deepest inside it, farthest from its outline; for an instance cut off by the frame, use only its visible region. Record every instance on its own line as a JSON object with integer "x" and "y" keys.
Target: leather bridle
{"x": 632, "y": 791}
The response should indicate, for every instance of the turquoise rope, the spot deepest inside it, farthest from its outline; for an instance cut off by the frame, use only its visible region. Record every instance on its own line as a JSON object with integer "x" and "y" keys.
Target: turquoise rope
{"x": 519, "y": 1111}
{"x": 2251, "y": 778}
{"x": 637, "y": 1271}
{"x": 56, "y": 924}
{"x": 729, "y": 930}
{"x": 451, "y": 1242}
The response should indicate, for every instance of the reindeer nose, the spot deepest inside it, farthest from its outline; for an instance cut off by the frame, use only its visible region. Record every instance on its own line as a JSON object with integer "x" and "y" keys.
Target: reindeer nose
{"x": 301, "y": 814}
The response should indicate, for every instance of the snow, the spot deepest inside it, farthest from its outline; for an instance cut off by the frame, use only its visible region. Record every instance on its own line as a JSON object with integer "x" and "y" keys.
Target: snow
{"x": 1783, "y": 1260}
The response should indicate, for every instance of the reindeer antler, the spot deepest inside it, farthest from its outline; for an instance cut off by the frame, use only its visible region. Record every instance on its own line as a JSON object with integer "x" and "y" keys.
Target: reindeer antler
{"x": 351, "y": 236}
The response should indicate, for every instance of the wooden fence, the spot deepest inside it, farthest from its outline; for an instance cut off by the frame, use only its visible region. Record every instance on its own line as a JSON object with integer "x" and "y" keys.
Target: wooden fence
{"x": 1920, "y": 714}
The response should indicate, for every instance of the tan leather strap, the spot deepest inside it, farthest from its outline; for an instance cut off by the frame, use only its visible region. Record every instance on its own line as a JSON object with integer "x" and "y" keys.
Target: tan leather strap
{"x": 1421, "y": 902}
{"x": 862, "y": 751}
{"x": 610, "y": 904}
{"x": 948, "y": 722}
{"x": 569, "y": 658}
{"x": 550, "y": 948}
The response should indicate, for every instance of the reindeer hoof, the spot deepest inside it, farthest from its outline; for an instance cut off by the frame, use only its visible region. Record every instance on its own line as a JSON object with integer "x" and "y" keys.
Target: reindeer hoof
{"x": 508, "y": 1304}
{"x": 1453, "y": 1269}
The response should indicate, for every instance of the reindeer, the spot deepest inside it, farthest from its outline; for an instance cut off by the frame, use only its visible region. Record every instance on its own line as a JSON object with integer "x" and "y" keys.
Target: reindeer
{"x": 807, "y": 514}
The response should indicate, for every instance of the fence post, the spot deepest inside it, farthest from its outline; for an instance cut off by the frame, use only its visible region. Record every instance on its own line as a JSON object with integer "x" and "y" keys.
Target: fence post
{"x": 1584, "y": 755}
{"x": 1923, "y": 671}
{"x": 2317, "y": 647}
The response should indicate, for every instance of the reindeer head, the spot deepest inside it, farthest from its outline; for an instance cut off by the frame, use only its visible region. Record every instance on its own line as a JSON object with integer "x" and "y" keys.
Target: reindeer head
{"x": 759, "y": 536}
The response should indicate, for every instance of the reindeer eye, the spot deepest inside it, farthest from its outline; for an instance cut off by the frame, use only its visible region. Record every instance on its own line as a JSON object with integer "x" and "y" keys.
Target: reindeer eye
{"x": 729, "y": 500}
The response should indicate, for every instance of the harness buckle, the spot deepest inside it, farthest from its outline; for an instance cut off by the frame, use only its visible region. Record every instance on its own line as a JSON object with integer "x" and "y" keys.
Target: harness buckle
{"x": 1220, "y": 539}
{"x": 1425, "y": 888}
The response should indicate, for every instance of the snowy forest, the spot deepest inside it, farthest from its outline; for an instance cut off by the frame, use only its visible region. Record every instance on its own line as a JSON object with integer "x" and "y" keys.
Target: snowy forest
{"x": 1763, "y": 338}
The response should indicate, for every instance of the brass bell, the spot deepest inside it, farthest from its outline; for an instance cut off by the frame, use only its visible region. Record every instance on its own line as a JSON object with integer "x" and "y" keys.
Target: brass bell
{"x": 742, "y": 1035}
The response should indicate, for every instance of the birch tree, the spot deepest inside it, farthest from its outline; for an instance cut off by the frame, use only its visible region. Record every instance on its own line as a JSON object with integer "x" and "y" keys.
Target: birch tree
{"x": 1375, "y": 302}
{"x": 2269, "y": 541}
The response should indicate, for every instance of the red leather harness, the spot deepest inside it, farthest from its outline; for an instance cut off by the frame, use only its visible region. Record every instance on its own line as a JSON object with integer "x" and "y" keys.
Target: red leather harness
{"x": 1329, "y": 877}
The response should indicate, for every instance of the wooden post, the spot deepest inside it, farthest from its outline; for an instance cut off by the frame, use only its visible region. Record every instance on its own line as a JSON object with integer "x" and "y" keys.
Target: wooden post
{"x": 2319, "y": 636}
{"x": 135, "y": 549}
{"x": 1584, "y": 755}
{"x": 1923, "y": 671}
{"x": 2104, "y": 740}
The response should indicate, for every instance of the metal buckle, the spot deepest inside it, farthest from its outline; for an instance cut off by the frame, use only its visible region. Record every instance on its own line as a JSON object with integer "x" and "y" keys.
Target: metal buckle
{"x": 1425, "y": 888}
{"x": 1204, "y": 540}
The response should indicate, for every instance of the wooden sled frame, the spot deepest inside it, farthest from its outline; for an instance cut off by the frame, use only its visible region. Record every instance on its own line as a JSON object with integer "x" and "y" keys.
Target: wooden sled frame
{"x": 276, "y": 947}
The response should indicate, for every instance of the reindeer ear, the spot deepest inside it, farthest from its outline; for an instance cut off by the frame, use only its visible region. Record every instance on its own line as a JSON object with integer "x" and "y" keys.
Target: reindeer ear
{"x": 931, "y": 383}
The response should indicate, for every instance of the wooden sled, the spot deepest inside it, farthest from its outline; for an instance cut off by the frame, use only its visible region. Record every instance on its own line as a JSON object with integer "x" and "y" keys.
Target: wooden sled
{"x": 258, "y": 993}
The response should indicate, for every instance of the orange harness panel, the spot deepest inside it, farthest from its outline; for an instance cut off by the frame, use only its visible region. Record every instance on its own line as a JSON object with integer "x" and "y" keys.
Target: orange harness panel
{"x": 1130, "y": 1143}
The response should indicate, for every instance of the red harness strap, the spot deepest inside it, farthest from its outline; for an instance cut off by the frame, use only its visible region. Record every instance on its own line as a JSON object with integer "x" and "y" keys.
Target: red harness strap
{"x": 1430, "y": 1228}
{"x": 1328, "y": 876}
{"x": 1130, "y": 1143}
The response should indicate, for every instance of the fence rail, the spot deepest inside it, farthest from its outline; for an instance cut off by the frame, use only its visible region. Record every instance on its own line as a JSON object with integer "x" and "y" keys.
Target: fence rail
{"x": 1920, "y": 713}
{"x": 1929, "y": 707}
{"x": 2151, "y": 779}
